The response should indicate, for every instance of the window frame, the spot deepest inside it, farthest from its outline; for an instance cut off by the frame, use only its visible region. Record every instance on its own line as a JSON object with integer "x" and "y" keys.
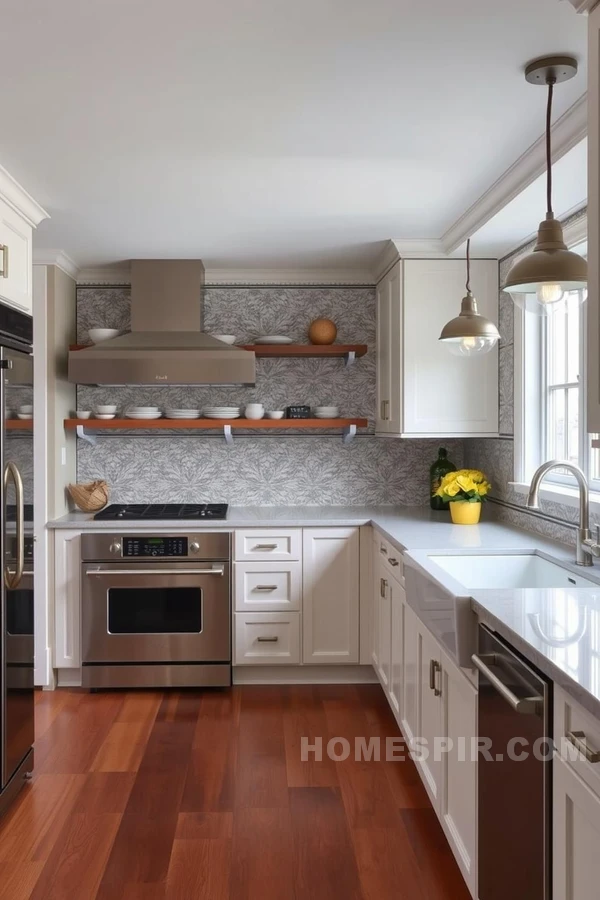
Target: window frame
{"x": 530, "y": 398}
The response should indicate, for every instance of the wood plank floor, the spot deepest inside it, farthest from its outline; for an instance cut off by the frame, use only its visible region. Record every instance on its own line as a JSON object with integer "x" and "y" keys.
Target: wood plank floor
{"x": 203, "y": 795}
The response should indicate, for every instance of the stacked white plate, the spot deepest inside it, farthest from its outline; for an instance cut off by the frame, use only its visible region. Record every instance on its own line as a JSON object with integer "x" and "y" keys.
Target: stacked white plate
{"x": 143, "y": 412}
{"x": 182, "y": 413}
{"x": 222, "y": 412}
{"x": 273, "y": 339}
{"x": 326, "y": 412}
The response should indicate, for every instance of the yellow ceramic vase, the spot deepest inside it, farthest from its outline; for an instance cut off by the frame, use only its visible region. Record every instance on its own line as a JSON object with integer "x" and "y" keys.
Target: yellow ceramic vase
{"x": 464, "y": 513}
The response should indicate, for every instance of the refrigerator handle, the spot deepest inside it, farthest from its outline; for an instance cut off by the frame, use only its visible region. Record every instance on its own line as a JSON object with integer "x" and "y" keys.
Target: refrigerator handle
{"x": 13, "y": 579}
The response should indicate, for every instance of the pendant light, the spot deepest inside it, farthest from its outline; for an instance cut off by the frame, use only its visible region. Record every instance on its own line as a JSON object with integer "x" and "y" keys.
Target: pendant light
{"x": 469, "y": 334}
{"x": 539, "y": 283}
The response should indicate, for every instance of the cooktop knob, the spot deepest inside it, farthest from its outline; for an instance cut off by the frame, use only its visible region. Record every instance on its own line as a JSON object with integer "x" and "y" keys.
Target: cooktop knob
{"x": 115, "y": 547}
{"x": 194, "y": 546}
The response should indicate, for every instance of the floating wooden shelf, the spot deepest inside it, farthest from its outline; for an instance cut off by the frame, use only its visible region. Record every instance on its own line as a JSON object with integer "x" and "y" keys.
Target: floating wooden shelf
{"x": 18, "y": 424}
{"x": 349, "y": 352}
{"x": 86, "y": 427}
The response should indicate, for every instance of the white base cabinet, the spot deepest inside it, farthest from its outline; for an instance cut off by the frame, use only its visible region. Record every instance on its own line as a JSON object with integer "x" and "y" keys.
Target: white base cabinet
{"x": 435, "y": 705}
{"x": 330, "y": 607}
{"x": 422, "y": 389}
{"x": 576, "y": 836}
{"x": 67, "y": 599}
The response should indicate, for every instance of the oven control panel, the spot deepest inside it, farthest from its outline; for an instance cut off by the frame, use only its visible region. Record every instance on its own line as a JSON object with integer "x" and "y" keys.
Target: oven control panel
{"x": 155, "y": 546}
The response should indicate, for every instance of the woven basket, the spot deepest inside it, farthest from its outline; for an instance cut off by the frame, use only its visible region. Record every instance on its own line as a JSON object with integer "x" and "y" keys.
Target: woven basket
{"x": 90, "y": 497}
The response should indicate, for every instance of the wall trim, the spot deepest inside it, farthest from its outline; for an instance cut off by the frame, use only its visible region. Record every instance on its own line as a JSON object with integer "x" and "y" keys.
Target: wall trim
{"x": 583, "y": 6}
{"x": 119, "y": 275}
{"x": 57, "y": 258}
{"x": 22, "y": 202}
{"x": 567, "y": 132}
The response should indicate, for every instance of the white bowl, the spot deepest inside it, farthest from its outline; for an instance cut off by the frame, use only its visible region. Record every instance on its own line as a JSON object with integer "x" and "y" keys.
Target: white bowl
{"x": 226, "y": 338}
{"x": 26, "y": 410}
{"x": 255, "y": 407}
{"x": 97, "y": 335}
{"x": 105, "y": 415}
{"x": 106, "y": 410}
{"x": 275, "y": 414}
{"x": 142, "y": 409}
{"x": 24, "y": 415}
{"x": 251, "y": 414}
{"x": 82, "y": 413}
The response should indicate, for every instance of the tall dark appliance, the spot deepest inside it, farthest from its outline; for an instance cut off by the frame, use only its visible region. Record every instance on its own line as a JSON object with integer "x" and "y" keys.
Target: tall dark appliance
{"x": 16, "y": 543}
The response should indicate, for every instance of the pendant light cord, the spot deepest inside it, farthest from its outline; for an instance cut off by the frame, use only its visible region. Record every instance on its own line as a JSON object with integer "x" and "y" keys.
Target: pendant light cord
{"x": 468, "y": 285}
{"x": 551, "y": 82}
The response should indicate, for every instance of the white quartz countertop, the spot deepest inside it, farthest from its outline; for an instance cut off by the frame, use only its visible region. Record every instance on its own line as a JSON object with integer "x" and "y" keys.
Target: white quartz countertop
{"x": 407, "y": 527}
{"x": 557, "y": 629}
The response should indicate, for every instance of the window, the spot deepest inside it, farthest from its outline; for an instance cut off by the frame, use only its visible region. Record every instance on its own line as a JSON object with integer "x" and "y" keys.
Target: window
{"x": 550, "y": 401}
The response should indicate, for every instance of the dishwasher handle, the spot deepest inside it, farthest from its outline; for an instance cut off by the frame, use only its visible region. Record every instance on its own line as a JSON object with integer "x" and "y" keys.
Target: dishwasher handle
{"x": 528, "y": 706}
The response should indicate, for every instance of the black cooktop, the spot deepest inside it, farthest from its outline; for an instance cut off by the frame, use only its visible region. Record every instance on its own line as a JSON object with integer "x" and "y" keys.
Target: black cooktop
{"x": 198, "y": 511}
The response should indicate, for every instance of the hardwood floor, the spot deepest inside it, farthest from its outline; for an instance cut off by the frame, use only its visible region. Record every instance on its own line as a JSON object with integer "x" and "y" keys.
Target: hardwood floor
{"x": 203, "y": 795}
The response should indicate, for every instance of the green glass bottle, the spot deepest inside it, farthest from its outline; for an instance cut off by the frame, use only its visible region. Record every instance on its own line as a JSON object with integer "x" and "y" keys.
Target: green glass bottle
{"x": 441, "y": 467}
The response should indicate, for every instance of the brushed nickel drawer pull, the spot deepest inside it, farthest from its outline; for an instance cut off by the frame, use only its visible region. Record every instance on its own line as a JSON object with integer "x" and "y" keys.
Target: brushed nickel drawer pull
{"x": 579, "y": 740}
{"x": 265, "y": 587}
{"x": 383, "y": 549}
{"x": 267, "y": 640}
{"x": 265, "y": 547}
{"x": 4, "y": 253}
{"x": 382, "y": 586}
{"x": 394, "y": 562}
{"x": 434, "y": 668}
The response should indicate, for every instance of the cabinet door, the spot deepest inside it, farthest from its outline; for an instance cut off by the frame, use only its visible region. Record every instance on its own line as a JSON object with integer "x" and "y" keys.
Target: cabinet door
{"x": 411, "y": 662}
{"x": 16, "y": 267}
{"x": 67, "y": 602}
{"x": 331, "y": 594}
{"x": 576, "y": 836}
{"x": 593, "y": 213}
{"x": 429, "y": 714}
{"x": 444, "y": 394}
{"x": 377, "y": 576}
{"x": 389, "y": 352}
{"x": 397, "y": 603}
{"x": 459, "y": 782}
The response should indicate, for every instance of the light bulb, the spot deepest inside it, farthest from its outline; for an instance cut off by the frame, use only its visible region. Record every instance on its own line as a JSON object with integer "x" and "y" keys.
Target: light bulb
{"x": 470, "y": 346}
{"x": 549, "y": 293}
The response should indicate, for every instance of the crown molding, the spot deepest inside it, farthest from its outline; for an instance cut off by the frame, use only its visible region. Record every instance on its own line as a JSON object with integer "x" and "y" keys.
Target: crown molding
{"x": 583, "y": 6}
{"x": 18, "y": 198}
{"x": 56, "y": 258}
{"x": 567, "y": 132}
{"x": 398, "y": 249}
{"x": 216, "y": 277}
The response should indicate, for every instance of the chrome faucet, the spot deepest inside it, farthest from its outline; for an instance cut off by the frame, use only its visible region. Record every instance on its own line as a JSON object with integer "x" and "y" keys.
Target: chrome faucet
{"x": 586, "y": 547}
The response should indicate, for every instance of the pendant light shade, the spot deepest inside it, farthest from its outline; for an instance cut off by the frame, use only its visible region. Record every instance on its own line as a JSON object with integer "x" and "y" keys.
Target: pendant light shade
{"x": 540, "y": 282}
{"x": 469, "y": 334}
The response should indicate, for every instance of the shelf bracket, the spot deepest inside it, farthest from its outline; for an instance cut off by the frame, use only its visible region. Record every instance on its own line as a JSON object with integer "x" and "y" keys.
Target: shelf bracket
{"x": 228, "y": 435}
{"x": 86, "y": 436}
{"x": 349, "y": 434}
{"x": 350, "y": 358}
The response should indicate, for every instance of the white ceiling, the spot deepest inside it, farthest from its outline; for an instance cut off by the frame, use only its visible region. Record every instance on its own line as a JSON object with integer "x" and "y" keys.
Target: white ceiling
{"x": 265, "y": 132}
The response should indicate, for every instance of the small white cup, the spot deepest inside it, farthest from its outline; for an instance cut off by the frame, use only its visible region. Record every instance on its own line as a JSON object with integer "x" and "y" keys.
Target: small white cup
{"x": 275, "y": 414}
{"x": 82, "y": 413}
{"x": 26, "y": 410}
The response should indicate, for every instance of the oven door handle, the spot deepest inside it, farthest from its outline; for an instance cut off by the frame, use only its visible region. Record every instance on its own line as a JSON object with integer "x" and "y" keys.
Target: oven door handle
{"x": 217, "y": 570}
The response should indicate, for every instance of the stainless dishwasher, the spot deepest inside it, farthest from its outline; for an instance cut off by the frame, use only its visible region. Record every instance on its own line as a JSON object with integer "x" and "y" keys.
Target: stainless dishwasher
{"x": 514, "y": 774}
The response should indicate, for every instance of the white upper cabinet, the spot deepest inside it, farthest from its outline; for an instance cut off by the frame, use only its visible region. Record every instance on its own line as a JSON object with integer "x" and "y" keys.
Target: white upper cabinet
{"x": 593, "y": 381}
{"x": 422, "y": 389}
{"x": 19, "y": 214}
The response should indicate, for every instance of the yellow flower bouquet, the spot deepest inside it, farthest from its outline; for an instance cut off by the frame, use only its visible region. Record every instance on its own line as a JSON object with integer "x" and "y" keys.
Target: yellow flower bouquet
{"x": 465, "y": 491}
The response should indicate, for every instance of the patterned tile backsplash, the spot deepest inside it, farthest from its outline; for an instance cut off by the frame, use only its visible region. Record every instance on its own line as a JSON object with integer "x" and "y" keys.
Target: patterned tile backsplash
{"x": 496, "y": 455}
{"x": 270, "y": 470}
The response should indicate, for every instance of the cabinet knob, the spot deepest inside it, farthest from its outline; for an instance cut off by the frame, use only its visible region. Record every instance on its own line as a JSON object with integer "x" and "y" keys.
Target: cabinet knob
{"x": 194, "y": 546}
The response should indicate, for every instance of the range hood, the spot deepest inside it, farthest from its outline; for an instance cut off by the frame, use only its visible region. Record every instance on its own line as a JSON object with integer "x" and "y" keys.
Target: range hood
{"x": 166, "y": 344}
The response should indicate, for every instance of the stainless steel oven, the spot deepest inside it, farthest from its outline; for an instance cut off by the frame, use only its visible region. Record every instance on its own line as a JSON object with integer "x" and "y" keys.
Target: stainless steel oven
{"x": 156, "y": 610}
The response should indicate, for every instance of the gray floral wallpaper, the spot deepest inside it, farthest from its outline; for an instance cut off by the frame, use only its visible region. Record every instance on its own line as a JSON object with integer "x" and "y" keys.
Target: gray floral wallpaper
{"x": 266, "y": 469}
{"x": 496, "y": 455}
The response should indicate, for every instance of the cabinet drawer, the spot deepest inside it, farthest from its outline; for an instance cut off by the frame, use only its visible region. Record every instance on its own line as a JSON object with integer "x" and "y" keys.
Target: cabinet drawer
{"x": 266, "y": 587}
{"x": 272, "y": 545}
{"x": 390, "y": 557}
{"x": 574, "y": 727}
{"x": 272, "y": 638}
